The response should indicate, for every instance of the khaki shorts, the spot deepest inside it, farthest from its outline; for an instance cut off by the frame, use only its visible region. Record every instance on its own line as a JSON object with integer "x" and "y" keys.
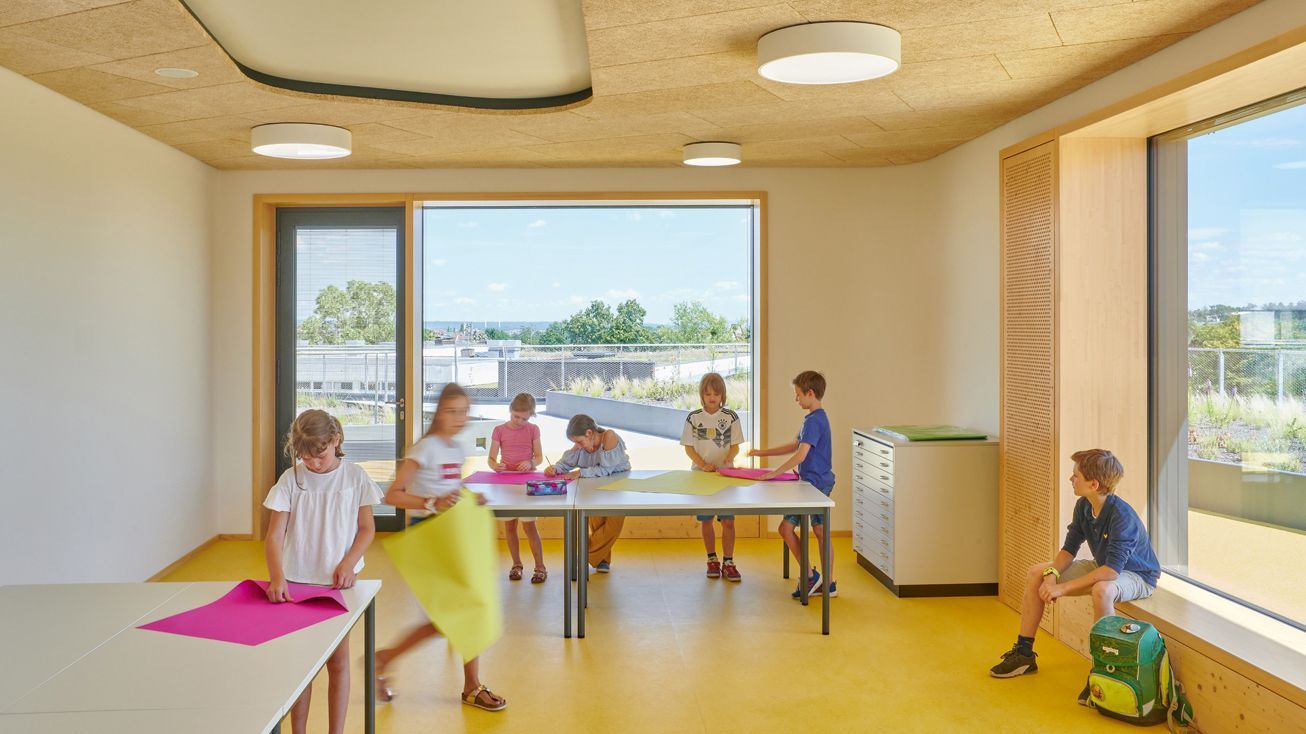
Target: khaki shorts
{"x": 1129, "y": 585}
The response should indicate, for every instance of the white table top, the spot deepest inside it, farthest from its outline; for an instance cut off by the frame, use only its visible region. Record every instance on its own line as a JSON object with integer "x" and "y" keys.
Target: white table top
{"x": 755, "y": 496}
{"x": 513, "y": 497}
{"x": 139, "y": 675}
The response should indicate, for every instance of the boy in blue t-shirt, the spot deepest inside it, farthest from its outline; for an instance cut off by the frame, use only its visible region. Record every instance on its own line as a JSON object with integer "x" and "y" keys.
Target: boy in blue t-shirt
{"x": 812, "y": 455}
{"x": 1123, "y": 568}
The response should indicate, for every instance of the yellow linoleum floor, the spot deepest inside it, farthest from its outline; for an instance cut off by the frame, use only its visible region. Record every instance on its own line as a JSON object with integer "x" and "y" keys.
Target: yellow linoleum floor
{"x": 669, "y": 650}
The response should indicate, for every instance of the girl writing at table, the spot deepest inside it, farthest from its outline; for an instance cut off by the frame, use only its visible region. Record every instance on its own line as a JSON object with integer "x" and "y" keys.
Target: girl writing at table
{"x": 595, "y": 452}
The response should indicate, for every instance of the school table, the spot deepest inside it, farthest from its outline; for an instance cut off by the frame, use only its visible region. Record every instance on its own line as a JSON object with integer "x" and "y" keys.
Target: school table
{"x": 760, "y": 498}
{"x": 75, "y": 662}
{"x": 511, "y": 500}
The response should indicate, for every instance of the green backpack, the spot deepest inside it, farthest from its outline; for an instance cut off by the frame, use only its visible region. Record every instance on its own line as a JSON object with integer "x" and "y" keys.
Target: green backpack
{"x": 1131, "y": 678}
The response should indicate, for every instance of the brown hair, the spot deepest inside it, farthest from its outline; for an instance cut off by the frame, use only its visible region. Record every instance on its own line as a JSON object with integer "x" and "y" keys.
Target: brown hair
{"x": 311, "y": 432}
{"x": 523, "y": 403}
{"x": 1101, "y": 466}
{"x": 580, "y": 424}
{"x": 450, "y": 391}
{"x": 810, "y": 381}
{"x": 714, "y": 383}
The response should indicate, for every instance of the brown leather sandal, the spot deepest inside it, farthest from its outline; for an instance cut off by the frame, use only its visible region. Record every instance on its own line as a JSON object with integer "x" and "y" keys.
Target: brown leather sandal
{"x": 490, "y": 702}
{"x": 541, "y": 574}
{"x": 514, "y": 573}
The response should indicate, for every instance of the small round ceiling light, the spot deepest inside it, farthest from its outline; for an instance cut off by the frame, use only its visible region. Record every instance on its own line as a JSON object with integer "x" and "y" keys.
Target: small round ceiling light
{"x": 301, "y": 141}
{"x": 174, "y": 73}
{"x": 836, "y": 52}
{"x": 712, "y": 153}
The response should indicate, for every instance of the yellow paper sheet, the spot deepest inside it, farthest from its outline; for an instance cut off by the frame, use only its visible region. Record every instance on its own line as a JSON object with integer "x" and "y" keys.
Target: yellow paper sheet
{"x": 678, "y": 482}
{"x": 450, "y": 563}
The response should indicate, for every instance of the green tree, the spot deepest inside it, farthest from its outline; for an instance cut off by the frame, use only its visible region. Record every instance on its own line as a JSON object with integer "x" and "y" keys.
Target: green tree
{"x": 363, "y": 311}
{"x": 494, "y": 333}
{"x": 593, "y": 325}
{"x": 1223, "y": 334}
{"x": 628, "y": 326}
{"x": 693, "y": 323}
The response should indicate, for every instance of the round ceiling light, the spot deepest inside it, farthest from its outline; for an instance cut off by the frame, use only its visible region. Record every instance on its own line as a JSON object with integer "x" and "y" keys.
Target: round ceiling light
{"x": 301, "y": 141}
{"x": 174, "y": 73}
{"x": 835, "y": 52}
{"x": 712, "y": 153}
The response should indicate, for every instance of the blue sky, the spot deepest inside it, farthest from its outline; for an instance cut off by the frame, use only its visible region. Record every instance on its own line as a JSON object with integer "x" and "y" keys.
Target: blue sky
{"x": 1247, "y": 212}
{"x": 544, "y": 264}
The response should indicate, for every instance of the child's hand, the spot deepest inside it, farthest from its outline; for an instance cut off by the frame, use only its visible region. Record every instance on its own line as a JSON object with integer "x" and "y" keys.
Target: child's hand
{"x": 343, "y": 577}
{"x": 768, "y": 476}
{"x": 1049, "y": 593}
{"x": 494, "y": 465}
{"x": 278, "y": 592}
{"x": 550, "y": 471}
{"x": 572, "y": 475}
{"x": 525, "y": 466}
{"x": 481, "y": 499}
{"x": 447, "y": 501}
{"x": 709, "y": 467}
{"x": 754, "y": 452}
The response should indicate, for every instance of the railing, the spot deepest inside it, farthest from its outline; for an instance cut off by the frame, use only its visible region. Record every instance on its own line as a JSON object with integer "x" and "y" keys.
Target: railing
{"x": 1270, "y": 372}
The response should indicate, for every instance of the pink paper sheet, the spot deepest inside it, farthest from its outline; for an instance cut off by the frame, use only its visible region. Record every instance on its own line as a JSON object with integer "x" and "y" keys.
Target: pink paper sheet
{"x": 246, "y": 616}
{"x": 507, "y": 477}
{"x": 742, "y": 473}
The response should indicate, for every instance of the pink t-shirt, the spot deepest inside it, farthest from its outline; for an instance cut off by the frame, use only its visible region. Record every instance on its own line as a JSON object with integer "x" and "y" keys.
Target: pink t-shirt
{"x": 516, "y": 444}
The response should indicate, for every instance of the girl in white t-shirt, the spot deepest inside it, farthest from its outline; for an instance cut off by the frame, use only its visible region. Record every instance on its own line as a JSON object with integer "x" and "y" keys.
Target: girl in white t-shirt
{"x": 428, "y": 482}
{"x": 321, "y": 524}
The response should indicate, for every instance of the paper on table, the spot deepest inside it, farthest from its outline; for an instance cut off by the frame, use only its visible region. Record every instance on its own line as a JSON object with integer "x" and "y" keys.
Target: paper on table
{"x": 449, "y": 562}
{"x": 745, "y": 473}
{"x": 678, "y": 482}
{"x": 507, "y": 477}
{"x": 244, "y": 615}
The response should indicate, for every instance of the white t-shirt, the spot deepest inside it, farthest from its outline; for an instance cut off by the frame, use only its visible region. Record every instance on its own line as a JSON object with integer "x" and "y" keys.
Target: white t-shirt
{"x": 439, "y": 468}
{"x": 323, "y": 518}
{"x": 712, "y": 434}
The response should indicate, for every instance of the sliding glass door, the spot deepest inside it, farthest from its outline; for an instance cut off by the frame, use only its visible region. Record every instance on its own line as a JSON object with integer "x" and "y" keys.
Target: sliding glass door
{"x": 340, "y": 281}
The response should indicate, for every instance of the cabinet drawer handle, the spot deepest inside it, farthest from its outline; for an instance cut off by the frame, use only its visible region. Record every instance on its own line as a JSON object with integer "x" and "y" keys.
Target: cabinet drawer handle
{"x": 883, "y": 542}
{"x": 887, "y": 479}
{"x": 883, "y": 464}
{"x": 886, "y": 517}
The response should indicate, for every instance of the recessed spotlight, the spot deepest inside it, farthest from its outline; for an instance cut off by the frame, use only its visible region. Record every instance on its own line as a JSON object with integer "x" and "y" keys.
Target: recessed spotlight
{"x": 835, "y": 52}
{"x": 173, "y": 73}
{"x": 301, "y": 140}
{"x": 712, "y": 153}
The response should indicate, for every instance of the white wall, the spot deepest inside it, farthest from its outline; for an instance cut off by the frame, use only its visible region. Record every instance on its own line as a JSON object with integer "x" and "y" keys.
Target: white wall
{"x": 103, "y": 275}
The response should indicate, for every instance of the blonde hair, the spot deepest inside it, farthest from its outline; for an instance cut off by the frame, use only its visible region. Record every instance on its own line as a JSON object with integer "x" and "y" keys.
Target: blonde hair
{"x": 523, "y": 403}
{"x": 311, "y": 432}
{"x": 714, "y": 383}
{"x": 1101, "y": 466}
{"x": 451, "y": 391}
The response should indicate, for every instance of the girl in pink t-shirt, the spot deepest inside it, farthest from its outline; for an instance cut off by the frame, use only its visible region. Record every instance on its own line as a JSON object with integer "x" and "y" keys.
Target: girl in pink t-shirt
{"x": 515, "y": 447}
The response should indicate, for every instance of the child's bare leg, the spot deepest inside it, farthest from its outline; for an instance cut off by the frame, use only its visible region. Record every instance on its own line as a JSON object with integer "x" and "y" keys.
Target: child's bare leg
{"x": 338, "y": 688}
{"x": 790, "y": 538}
{"x": 728, "y": 538}
{"x": 537, "y": 548}
{"x": 510, "y": 535}
{"x": 1031, "y": 608}
{"x": 709, "y": 536}
{"x": 414, "y": 637}
{"x": 472, "y": 681}
{"x": 1104, "y": 599}
{"x": 299, "y": 711}
{"x": 819, "y": 531}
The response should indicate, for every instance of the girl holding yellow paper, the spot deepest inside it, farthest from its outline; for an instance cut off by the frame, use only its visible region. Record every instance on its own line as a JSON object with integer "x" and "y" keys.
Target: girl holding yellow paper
{"x": 429, "y": 482}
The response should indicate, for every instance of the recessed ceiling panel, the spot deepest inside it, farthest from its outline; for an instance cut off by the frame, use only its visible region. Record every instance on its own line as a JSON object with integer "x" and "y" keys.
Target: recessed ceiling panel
{"x": 501, "y": 54}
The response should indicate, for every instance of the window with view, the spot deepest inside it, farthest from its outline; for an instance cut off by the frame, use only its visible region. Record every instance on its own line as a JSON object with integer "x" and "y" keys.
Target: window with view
{"x": 1229, "y": 354}
{"x": 615, "y": 311}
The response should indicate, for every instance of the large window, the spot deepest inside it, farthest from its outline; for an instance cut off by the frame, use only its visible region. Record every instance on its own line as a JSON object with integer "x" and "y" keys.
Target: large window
{"x": 1229, "y": 355}
{"x": 610, "y": 310}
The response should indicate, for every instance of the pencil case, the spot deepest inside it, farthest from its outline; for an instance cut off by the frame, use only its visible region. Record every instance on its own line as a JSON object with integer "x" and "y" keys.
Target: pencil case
{"x": 544, "y": 487}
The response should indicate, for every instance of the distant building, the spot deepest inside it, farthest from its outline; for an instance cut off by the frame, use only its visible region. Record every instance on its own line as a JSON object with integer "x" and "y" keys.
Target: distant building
{"x": 1273, "y": 328}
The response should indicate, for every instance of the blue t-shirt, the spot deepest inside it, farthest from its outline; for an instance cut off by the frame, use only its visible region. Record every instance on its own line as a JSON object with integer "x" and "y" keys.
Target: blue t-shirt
{"x": 1116, "y": 538}
{"x": 818, "y": 467}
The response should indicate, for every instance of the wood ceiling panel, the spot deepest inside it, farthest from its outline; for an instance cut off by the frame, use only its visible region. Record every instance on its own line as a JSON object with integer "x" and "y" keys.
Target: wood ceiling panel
{"x": 664, "y": 73}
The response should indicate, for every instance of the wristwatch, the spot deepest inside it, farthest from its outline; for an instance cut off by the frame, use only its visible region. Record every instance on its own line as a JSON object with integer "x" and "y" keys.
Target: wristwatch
{"x": 1052, "y": 571}
{"x": 430, "y": 506}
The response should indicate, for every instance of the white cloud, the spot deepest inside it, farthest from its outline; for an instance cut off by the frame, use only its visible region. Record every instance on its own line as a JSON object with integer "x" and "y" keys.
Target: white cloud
{"x": 726, "y": 285}
{"x": 497, "y": 287}
{"x": 438, "y": 262}
{"x": 1199, "y": 257}
{"x": 1291, "y": 165}
{"x": 622, "y": 295}
{"x": 1211, "y": 246}
{"x": 575, "y": 300}
{"x": 556, "y": 284}
{"x": 469, "y": 225}
{"x": 1206, "y": 233}
{"x": 634, "y": 216}
{"x": 537, "y": 224}
{"x": 667, "y": 213}
{"x": 742, "y": 298}
{"x": 463, "y": 300}
{"x": 1268, "y": 143}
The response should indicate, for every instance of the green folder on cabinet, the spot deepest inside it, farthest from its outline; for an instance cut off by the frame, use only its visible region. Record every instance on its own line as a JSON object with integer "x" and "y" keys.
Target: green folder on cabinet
{"x": 931, "y": 433}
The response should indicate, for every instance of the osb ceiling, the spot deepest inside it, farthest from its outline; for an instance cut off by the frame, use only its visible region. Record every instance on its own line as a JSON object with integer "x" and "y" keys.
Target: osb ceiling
{"x": 664, "y": 73}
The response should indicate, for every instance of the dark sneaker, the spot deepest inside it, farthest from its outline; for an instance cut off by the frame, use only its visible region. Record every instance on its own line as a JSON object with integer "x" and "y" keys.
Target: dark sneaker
{"x": 813, "y": 581}
{"x": 730, "y": 572}
{"x": 1083, "y": 697}
{"x": 603, "y": 567}
{"x": 714, "y": 569}
{"x": 1014, "y": 664}
{"x": 816, "y": 589}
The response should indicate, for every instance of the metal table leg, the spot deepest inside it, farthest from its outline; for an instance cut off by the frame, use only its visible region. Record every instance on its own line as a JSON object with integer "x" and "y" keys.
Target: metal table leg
{"x": 825, "y": 570}
{"x": 369, "y": 668}
{"x": 582, "y": 572}
{"x": 784, "y": 548}
{"x": 567, "y": 561}
{"x": 804, "y": 578}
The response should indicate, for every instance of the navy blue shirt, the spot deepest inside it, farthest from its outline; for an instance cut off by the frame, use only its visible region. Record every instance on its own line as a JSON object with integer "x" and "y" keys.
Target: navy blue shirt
{"x": 1116, "y": 538}
{"x": 818, "y": 467}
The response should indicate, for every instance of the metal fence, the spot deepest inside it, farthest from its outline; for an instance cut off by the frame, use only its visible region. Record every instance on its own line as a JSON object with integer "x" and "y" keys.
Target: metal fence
{"x": 1277, "y": 373}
